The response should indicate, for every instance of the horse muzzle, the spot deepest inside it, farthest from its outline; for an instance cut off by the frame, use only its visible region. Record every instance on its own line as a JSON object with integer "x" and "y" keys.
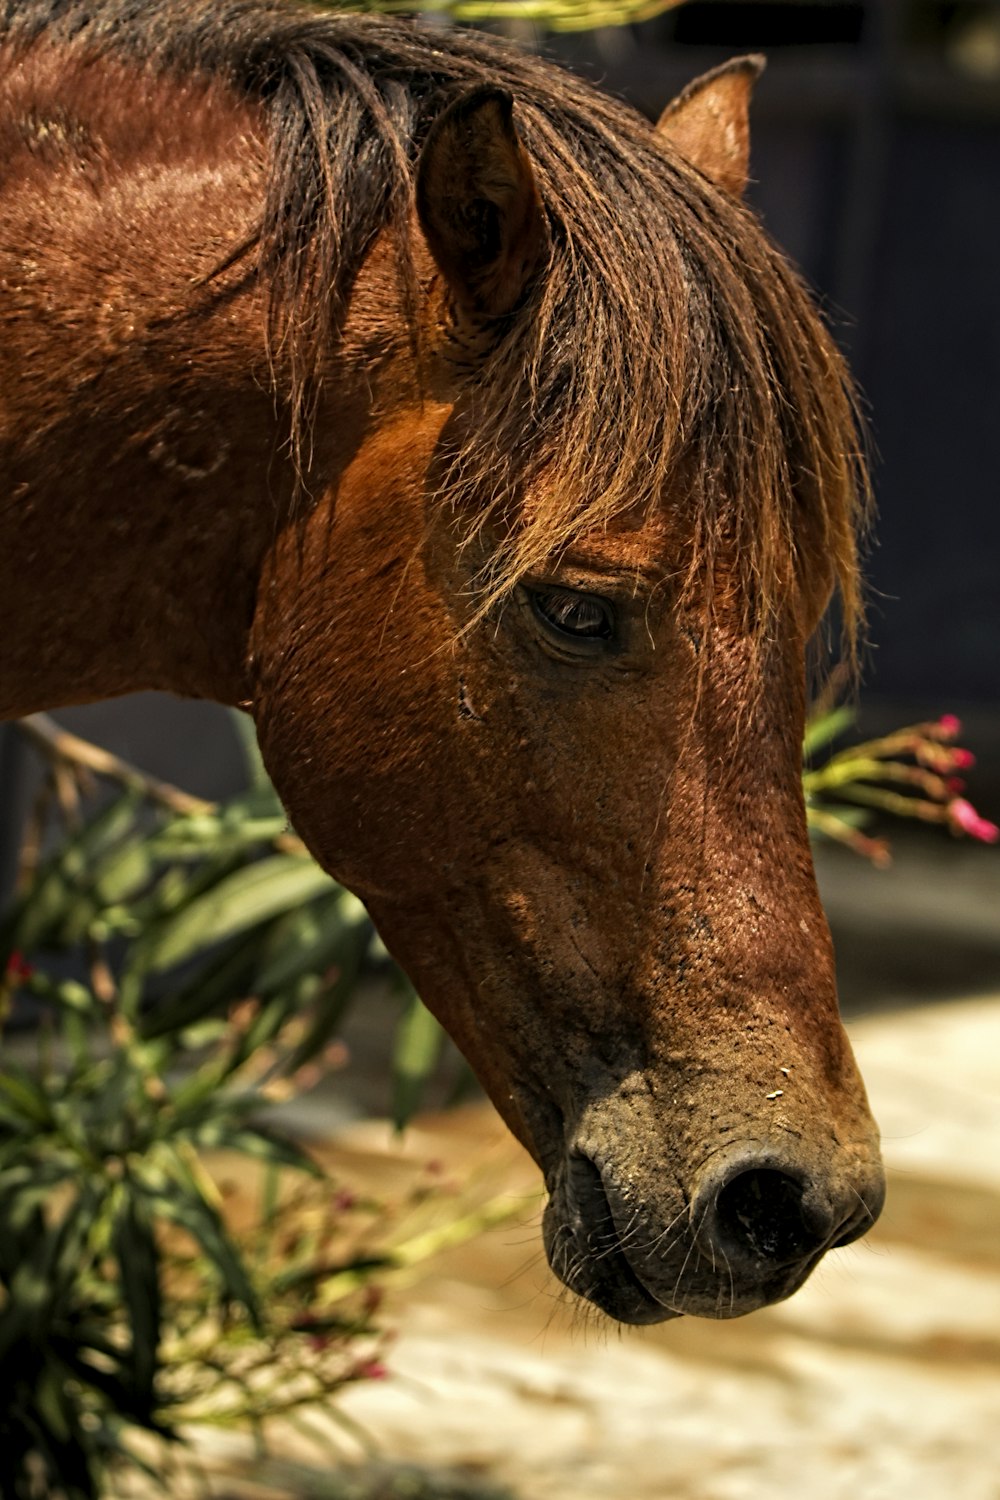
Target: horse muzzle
{"x": 748, "y": 1233}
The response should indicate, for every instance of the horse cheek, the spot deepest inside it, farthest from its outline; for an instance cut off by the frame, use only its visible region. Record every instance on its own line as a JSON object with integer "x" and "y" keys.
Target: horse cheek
{"x": 352, "y": 693}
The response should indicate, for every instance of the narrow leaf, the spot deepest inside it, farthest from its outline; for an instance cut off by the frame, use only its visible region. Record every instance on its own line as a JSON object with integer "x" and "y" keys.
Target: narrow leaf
{"x": 184, "y": 1205}
{"x": 242, "y": 900}
{"x": 419, "y": 1039}
{"x": 824, "y": 729}
{"x": 139, "y": 1270}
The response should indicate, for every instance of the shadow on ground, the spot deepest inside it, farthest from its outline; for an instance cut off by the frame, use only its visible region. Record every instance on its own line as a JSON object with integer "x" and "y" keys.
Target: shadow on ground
{"x": 377, "y": 1481}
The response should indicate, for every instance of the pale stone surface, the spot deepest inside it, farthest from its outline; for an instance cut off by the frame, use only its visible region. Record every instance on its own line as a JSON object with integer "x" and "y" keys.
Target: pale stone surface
{"x": 880, "y": 1380}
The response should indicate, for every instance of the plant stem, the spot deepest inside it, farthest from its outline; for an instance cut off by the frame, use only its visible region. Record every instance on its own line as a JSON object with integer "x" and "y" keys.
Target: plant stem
{"x": 62, "y": 749}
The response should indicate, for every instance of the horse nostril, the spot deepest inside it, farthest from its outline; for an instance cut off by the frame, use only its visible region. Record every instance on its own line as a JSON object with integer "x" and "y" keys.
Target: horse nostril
{"x": 765, "y": 1213}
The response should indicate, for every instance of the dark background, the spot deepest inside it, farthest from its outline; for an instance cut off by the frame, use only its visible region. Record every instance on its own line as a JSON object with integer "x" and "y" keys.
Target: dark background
{"x": 876, "y": 165}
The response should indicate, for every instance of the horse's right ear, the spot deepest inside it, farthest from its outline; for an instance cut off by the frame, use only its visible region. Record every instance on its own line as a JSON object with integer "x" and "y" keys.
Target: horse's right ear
{"x": 478, "y": 204}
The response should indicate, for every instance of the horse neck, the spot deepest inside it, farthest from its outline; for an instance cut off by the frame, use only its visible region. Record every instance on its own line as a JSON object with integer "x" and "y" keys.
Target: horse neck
{"x": 140, "y": 452}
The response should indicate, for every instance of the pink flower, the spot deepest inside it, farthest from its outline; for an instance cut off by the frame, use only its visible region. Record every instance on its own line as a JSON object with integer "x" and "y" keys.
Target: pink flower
{"x": 948, "y": 726}
{"x": 941, "y": 758}
{"x": 964, "y": 819}
{"x": 371, "y": 1369}
{"x": 344, "y": 1200}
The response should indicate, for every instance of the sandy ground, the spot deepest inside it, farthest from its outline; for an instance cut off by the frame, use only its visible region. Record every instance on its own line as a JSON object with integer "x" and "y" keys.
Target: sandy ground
{"x": 879, "y": 1381}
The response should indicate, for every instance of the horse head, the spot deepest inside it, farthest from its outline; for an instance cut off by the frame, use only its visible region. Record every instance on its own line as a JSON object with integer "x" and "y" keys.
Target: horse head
{"x": 529, "y": 676}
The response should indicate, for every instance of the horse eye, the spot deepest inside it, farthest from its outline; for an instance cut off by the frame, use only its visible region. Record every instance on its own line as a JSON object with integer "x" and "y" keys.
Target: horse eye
{"x": 580, "y": 616}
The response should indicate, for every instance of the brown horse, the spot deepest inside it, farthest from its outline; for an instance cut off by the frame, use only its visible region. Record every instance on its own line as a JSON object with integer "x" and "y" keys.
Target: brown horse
{"x": 468, "y": 431}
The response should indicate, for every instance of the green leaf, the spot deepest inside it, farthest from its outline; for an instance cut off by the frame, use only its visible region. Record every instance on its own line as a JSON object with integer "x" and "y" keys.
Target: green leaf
{"x": 853, "y": 817}
{"x": 208, "y": 1032}
{"x": 556, "y": 15}
{"x": 139, "y": 1270}
{"x": 59, "y": 896}
{"x": 182, "y": 1202}
{"x": 188, "y": 1098}
{"x": 31, "y": 1180}
{"x": 71, "y": 1248}
{"x": 125, "y": 871}
{"x": 242, "y": 900}
{"x": 179, "y": 885}
{"x": 826, "y": 728}
{"x": 419, "y": 1039}
{"x": 210, "y": 833}
{"x": 246, "y": 733}
{"x": 71, "y": 1347}
{"x": 256, "y": 1142}
{"x": 257, "y": 808}
{"x": 220, "y": 978}
{"x": 331, "y": 1006}
{"x": 40, "y": 1282}
{"x": 26, "y": 1097}
{"x": 263, "y": 1028}
{"x": 120, "y": 874}
{"x": 22, "y": 1232}
{"x": 309, "y": 940}
{"x": 69, "y": 993}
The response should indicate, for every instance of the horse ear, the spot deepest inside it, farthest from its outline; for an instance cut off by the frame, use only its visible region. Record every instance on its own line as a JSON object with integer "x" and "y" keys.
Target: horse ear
{"x": 709, "y": 122}
{"x": 478, "y": 204}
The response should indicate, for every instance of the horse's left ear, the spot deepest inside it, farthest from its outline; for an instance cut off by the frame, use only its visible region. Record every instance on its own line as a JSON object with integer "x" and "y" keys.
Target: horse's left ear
{"x": 478, "y": 204}
{"x": 709, "y": 122}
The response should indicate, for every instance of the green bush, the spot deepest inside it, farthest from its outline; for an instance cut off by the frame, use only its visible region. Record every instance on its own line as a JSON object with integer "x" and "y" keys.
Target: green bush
{"x": 184, "y": 963}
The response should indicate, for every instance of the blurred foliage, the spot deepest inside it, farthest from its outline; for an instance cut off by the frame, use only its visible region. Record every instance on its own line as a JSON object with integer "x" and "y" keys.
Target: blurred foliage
{"x": 551, "y": 15}
{"x": 176, "y": 909}
{"x": 182, "y": 965}
{"x": 98, "y": 1157}
{"x": 134, "y": 1305}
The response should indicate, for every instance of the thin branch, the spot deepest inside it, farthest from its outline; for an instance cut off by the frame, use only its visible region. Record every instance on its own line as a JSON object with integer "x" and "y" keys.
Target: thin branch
{"x": 832, "y": 827}
{"x": 65, "y": 749}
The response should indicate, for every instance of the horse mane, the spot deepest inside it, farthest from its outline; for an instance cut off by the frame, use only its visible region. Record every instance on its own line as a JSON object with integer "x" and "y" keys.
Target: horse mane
{"x": 668, "y": 354}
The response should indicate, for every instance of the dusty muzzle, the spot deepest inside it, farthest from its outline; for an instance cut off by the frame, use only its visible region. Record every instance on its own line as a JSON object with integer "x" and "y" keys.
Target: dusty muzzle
{"x": 743, "y": 1229}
